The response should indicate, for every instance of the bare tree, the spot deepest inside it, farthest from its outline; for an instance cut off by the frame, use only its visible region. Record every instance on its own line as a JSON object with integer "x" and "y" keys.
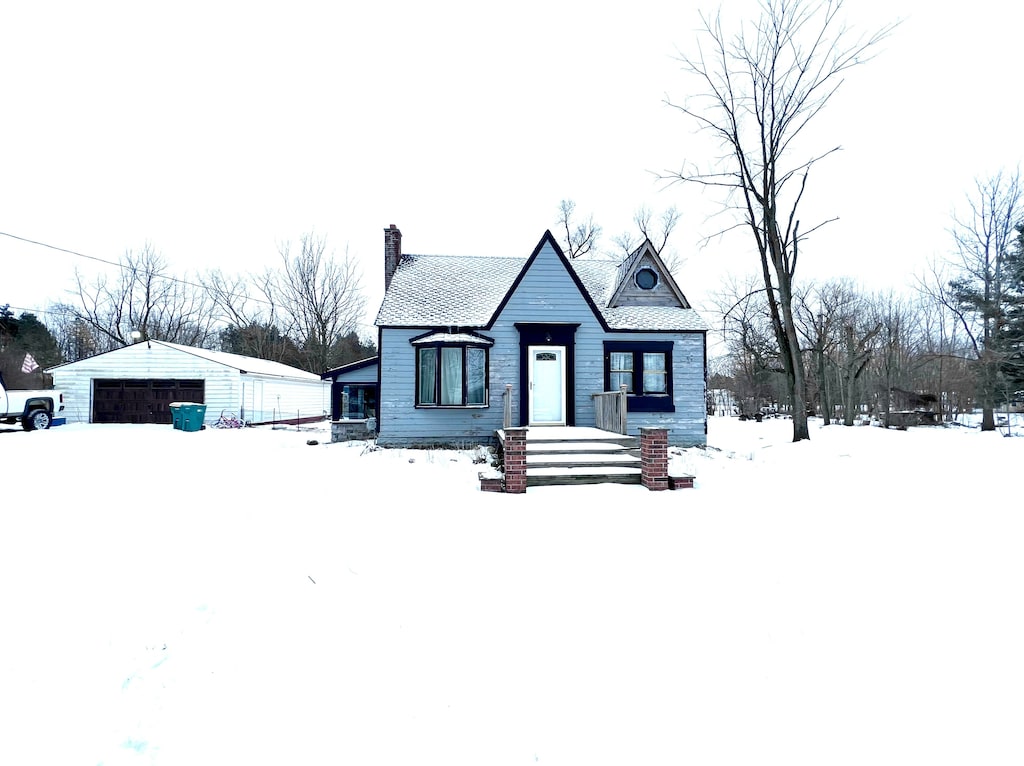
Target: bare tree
{"x": 580, "y": 237}
{"x": 761, "y": 87}
{"x": 943, "y": 357}
{"x": 973, "y": 286}
{"x": 320, "y": 297}
{"x": 857, "y": 350}
{"x": 658, "y": 232}
{"x": 820, "y": 311}
{"x": 144, "y": 298}
{"x": 984, "y": 239}
{"x": 752, "y": 355}
{"x": 253, "y": 322}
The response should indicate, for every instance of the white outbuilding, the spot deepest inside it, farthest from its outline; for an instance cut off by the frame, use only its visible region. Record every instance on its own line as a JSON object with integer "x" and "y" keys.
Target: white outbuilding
{"x": 135, "y": 384}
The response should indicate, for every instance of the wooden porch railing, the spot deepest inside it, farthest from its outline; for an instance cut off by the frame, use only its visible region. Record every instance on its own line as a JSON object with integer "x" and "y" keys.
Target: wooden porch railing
{"x": 610, "y": 410}
{"x": 508, "y": 406}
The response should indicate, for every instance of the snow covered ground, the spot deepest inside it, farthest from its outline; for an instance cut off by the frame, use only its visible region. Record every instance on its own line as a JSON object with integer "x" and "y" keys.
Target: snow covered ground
{"x": 241, "y": 597}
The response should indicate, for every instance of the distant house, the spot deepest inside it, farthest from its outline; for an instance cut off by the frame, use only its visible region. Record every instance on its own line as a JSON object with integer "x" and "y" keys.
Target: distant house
{"x": 460, "y": 335}
{"x": 135, "y": 384}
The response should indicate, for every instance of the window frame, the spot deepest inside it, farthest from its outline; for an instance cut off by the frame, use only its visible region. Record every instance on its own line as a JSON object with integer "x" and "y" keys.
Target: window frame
{"x": 463, "y": 347}
{"x": 637, "y": 400}
{"x": 648, "y": 270}
{"x": 364, "y": 392}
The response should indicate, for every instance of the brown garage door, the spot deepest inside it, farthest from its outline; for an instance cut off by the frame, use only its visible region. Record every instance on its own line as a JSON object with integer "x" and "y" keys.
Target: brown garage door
{"x": 144, "y": 400}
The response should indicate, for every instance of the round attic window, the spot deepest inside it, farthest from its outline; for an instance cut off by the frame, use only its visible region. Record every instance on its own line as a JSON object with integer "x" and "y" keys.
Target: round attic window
{"x": 646, "y": 279}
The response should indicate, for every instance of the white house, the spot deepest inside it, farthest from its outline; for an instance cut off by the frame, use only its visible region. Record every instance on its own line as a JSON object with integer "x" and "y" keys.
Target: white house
{"x": 135, "y": 384}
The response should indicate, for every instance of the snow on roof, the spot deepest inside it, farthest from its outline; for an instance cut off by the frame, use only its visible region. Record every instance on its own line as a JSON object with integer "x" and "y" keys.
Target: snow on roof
{"x": 247, "y": 364}
{"x": 600, "y": 278}
{"x": 452, "y": 337}
{"x": 465, "y": 291}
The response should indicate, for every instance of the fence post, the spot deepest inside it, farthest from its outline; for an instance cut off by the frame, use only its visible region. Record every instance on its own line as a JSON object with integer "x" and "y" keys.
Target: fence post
{"x": 623, "y": 427}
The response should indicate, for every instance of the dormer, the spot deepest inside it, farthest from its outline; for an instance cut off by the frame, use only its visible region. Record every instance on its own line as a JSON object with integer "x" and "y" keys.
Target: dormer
{"x": 644, "y": 280}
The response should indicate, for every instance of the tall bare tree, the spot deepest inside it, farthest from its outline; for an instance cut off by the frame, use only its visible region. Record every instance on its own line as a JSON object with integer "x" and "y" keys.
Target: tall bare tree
{"x": 821, "y": 309}
{"x": 253, "y": 323}
{"x": 143, "y": 297}
{"x": 751, "y": 352}
{"x": 975, "y": 284}
{"x": 760, "y": 88}
{"x": 320, "y": 296}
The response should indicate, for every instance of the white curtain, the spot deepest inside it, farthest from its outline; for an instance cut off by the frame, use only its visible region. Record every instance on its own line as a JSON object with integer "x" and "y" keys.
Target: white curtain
{"x": 451, "y": 375}
{"x": 621, "y": 371}
{"x": 476, "y": 370}
{"x": 428, "y": 376}
{"x": 655, "y": 377}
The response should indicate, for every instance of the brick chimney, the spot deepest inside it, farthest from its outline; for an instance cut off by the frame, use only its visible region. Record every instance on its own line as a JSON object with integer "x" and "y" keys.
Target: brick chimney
{"x": 392, "y": 253}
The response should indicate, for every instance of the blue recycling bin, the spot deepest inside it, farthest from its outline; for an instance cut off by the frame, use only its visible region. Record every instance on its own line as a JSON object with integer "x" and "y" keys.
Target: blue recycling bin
{"x": 187, "y": 416}
{"x": 175, "y": 408}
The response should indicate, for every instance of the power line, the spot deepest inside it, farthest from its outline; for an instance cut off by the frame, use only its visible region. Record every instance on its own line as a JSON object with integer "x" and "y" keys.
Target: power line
{"x": 59, "y": 249}
{"x": 122, "y": 267}
{"x": 116, "y": 264}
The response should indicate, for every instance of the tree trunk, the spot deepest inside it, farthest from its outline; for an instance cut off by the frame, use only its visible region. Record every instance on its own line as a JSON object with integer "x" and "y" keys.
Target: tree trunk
{"x": 792, "y": 360}
{"x": 826, "y": 416}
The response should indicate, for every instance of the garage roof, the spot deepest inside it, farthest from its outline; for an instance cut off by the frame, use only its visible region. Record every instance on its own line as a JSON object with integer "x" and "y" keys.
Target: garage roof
{"x": 244, "y": 364}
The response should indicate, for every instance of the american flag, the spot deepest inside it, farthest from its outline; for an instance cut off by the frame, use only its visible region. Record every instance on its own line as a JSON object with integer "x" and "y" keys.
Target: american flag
{"x": 29, "y": 364}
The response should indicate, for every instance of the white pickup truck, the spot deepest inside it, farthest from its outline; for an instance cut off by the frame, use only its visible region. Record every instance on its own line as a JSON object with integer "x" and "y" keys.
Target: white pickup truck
{"x": 35, "y": 410}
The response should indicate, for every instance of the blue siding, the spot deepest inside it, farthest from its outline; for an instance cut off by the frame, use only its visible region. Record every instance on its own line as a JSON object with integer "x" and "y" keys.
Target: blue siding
{"x": 546, "y": 294}
{"x": 687, "y": 424}
{"x": 402, "y": 424}
{"x": 367, "y": 374}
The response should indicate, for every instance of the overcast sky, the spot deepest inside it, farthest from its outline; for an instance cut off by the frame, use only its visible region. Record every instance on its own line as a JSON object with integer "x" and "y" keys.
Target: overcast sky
{"x": 215, "y": 131}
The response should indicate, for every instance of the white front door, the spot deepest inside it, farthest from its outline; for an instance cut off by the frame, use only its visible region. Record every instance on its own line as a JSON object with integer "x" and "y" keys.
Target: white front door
{"x": 547, "y": 385}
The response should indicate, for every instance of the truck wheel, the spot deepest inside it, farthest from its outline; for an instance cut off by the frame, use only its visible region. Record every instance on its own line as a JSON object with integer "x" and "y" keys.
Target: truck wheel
{"x": 37, "y": 420}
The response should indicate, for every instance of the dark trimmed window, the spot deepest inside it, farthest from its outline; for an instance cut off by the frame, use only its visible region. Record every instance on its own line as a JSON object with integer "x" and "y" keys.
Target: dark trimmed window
{"x": 451, "y": 375}
{"x": 645, "y": 369}
{"x": 646, "y": 279}
{"x": 362, "y": 400}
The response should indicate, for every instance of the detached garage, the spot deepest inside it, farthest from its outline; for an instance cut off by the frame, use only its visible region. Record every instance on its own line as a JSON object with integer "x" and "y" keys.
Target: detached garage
{"x": 135, "y": 384}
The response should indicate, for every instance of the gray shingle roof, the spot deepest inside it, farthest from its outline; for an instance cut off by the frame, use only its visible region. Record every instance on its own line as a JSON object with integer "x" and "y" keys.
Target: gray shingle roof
{"x": 600, "y": 278}
{"x": 465, "y": 291}
{"x": 447, "y": 290}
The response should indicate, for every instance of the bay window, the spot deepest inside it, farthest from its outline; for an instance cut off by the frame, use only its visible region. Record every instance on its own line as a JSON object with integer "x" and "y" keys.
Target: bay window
{"x": 451, "y": 370}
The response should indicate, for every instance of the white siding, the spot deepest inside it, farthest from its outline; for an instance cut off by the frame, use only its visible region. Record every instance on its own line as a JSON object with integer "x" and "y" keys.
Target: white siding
{"x": 267, "y": 399}
{"x": 224, "y": 385}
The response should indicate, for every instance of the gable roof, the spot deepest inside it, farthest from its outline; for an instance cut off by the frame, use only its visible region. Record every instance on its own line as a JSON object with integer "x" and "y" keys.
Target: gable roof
{"x": 646, "y": 256}
{"x": 244, "y": 364}
{"x": 468, "y": 291}
{"x": 601, "y": 279}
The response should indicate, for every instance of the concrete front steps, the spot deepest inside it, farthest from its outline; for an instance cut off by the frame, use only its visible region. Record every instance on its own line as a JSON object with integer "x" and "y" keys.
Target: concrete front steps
{"x": 570, "y": 455}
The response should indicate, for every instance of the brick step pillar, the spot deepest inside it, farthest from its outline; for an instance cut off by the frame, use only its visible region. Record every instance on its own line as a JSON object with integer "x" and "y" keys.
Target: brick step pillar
{"x": 515, "y": 460}
{"x": 654, "y": 457}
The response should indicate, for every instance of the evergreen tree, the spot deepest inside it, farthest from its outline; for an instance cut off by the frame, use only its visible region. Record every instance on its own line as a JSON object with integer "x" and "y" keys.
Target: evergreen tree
{"x": 22, "y": 338}
{"x": 1011, "y": 338}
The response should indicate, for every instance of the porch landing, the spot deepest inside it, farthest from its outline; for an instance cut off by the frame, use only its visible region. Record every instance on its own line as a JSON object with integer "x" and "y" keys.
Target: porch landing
{"x": 579, "y": 455}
